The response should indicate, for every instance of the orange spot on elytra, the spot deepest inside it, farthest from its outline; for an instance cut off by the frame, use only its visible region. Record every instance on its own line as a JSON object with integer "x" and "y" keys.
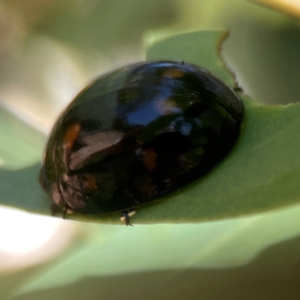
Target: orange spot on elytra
{"x": 71, "y": 135}
{"x": 90, "y": 182}
{"x": 149, "y": 159}
{"x": 173, "y": 73}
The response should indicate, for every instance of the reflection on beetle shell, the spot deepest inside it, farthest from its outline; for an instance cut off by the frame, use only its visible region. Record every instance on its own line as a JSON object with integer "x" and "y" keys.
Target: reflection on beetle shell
{"x": 137, "y": 134}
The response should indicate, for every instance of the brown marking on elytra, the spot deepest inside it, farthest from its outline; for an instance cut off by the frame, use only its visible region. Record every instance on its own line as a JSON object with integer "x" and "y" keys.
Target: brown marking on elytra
{"x": 173, "y": 73}
{"x": 90, "y": 182}
{"x": 71, "y": 135}
{"x": 149, "y": 159}
{"x": 166, "y": 106}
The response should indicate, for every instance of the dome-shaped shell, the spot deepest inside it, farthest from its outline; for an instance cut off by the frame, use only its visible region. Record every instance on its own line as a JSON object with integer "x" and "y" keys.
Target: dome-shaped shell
{"x": 138, "y": 133}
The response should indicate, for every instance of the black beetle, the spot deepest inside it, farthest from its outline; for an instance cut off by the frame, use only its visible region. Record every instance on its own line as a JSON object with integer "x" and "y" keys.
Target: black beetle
{"x": 136, "y": 134}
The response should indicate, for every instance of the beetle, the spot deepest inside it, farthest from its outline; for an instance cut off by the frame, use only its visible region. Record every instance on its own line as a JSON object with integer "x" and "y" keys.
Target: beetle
{"x": 136, "y": 134}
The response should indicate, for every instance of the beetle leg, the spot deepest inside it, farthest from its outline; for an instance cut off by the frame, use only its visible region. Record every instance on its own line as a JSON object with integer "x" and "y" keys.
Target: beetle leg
{"x": 238, "y": 89}
{"x": 64, "y": 212}
{"x": 125, "y": 218}
{"x": 126, "y": 214}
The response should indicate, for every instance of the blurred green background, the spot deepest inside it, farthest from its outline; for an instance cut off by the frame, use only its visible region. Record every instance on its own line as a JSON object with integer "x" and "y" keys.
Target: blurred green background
{"x": 46, "y": 44}
{"x": 49, "y": 50}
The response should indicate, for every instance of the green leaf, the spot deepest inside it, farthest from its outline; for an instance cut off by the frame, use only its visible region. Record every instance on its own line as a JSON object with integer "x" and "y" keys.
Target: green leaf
{"x": 20, "y": 144}
{"x": 260, "y": 174}
{"x": 201, "y": 48}
{"x": 168, "y": 261}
